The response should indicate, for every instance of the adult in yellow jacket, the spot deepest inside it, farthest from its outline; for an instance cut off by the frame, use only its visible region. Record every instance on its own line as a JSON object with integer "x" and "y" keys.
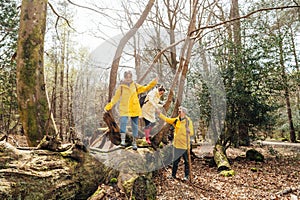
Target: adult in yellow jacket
{"x": 183, "y": 130}
{"x": 127, "y": 92}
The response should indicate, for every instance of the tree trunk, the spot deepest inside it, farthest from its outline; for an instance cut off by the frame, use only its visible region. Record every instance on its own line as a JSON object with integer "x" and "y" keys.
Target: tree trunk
{"x": 220, "y": 158}
{"x": 298, "y": 74}
{"x": 286, "y": 93}
{"x": 43, "y": 174}
{"x": 114, "y": 130}
{"x": 182, "y": 70}
{"x": 68, "y": 96}
{"x": 236, "y": 25}
{"x": 31, "y": 90}
{"x": 244, "y": 139}
{"x": 61, "y": 91}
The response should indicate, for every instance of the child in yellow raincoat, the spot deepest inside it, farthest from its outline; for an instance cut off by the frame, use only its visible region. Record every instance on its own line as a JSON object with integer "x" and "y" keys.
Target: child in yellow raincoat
{"x": 129, "y": 106}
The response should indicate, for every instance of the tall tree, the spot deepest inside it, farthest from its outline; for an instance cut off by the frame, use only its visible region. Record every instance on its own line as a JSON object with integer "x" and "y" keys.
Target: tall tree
{"x": 33, "y": 101}
{"x": 286, "y": 89}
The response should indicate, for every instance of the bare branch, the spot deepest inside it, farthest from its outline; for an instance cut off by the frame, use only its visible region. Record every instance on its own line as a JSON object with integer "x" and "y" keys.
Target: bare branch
{"x": 242, "y": 17}
{"x": 296, "y": 2}
{"x": 88, "y": 8}
{"x": 157, "y": 57}
{"x": 58, "y": 17}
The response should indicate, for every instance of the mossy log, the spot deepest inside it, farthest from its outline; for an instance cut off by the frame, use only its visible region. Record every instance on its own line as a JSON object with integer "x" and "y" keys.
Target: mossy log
{"x": 220, "y": 158}
{"x": 43, "y": 174}
{"x": 134, "y": 167}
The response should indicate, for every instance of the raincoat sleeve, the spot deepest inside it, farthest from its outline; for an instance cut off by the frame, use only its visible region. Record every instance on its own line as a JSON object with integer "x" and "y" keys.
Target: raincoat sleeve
{"x": 167, "y": 119}
{"x": 114, "y": 100}
{"x": 142, "y": 89}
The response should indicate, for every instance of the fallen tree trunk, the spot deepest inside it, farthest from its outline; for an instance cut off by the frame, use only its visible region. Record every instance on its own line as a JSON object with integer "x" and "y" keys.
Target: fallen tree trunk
{"x": 220, "y": 158}
{"x": 43, "y": 174}
{"x": 134, "y": 168}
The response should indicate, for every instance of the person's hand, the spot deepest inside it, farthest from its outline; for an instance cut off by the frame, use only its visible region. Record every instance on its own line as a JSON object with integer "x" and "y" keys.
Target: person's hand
{"x": 188, "y": 131}
{"x": 157, "y": 111}
{"x": 156, "y": 78}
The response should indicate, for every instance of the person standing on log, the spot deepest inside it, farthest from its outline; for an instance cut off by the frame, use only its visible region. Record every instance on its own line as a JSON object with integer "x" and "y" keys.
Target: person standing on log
{"x": 181, "y": 143}
{"x": 129, "y": 106}
{"x": 148, "y": 110}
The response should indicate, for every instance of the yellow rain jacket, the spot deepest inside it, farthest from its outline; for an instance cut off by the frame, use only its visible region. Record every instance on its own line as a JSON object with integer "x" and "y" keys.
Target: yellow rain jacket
{"x": 180, "y": 138}
{"x": 129, "y": 101}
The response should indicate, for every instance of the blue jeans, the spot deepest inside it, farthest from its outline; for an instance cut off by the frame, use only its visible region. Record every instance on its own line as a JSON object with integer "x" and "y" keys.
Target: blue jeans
{"x": 134, "y": 125}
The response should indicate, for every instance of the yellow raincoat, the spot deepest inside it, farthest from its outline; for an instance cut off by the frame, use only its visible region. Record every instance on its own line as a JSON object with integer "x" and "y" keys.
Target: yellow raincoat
{"x": 180, "y": 138}
{"x": 129, "y": 101}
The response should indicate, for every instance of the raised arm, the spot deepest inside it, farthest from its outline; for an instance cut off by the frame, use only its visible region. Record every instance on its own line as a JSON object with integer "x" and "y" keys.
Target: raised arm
{"x": 167, "y": 119}
{"x": 142, "y": 89}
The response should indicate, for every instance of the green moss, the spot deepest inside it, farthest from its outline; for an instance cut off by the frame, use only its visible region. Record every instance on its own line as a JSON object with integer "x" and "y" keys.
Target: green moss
{"x": 128, "y": 184}
{"x": 113, "y": 180}
{"x": 142, "y": 143}
{"x": 254, "y": 169}
{"x": 66, "y": 153}
{"x": 161, "y": 145}
{"x": 227, "y": 173}
{"x": 144, "y": 188}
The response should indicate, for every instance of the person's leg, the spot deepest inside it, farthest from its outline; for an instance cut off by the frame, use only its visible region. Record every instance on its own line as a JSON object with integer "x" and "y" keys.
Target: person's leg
{"x": 151, "y": 125}
{"x": 147, "y": 130}
{"x": 176, "y": 160}
{"x": 186, "y": 164}
{"x": 123, "y": 123}
{"x": 134, "y": 125}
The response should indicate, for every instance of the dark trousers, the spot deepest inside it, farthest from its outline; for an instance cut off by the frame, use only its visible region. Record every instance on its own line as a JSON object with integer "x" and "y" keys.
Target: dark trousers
{"x": 178, "y": 153}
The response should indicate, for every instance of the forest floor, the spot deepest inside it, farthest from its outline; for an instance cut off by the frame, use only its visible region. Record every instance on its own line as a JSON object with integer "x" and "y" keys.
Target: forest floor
{"x": 276, "y": 178}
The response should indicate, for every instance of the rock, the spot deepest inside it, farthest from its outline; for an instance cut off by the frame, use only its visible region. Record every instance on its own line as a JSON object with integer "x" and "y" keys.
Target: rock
{"x": 254, "y": 155}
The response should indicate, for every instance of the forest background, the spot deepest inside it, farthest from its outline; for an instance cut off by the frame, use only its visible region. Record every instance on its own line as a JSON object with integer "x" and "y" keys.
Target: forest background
{"x": 255, "y": 57}
{"x": 233, "y": 64}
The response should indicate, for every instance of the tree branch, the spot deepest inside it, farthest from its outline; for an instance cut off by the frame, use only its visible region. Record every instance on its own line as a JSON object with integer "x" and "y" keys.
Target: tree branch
{"x": 242, "y": 17}
{"x": 88, "y": 8}
{"x": 58, "y": 17}
{"x": 157, "y": 57}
